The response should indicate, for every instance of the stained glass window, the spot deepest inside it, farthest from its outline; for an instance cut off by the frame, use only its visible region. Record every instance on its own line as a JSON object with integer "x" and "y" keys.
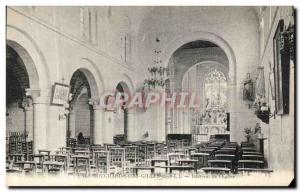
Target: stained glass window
{"x": 215, "y": 98}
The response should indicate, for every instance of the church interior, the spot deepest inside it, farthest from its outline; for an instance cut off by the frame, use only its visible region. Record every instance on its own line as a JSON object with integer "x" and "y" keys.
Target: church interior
{"x": 238, "y": 62}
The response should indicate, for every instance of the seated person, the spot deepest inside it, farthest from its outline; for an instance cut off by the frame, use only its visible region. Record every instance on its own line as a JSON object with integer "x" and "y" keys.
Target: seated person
{"x": 80, "y": 138}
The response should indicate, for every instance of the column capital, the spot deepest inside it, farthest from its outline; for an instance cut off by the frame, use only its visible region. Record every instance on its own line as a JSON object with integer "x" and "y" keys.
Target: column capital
{"x": 132, "y": 110}
{"x": 32, "y": 93}
{"x": 95, "y": 103}
{"x": 26, "y": 104}
{"x": 36, "y": 96}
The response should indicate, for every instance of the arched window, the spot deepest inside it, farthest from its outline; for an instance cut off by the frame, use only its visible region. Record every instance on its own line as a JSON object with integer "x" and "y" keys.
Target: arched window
{"x": 88, "y": 24}
{"x": 215, "y": 98}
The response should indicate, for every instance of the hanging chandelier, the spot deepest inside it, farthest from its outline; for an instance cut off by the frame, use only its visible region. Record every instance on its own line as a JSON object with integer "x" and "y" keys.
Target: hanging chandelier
{"x": 158, "y": 73}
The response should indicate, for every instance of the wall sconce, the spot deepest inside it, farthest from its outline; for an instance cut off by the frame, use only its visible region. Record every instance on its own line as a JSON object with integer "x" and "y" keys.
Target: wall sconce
{"x": 263, "y": 112}
{"x": 66, "y": 112}
{"x": 66, "y": 106}
{"x": 64, "y": 115}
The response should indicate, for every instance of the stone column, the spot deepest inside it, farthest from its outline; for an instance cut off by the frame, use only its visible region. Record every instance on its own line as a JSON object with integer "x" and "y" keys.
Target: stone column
{"x": 108, "y": 127}
{"x": 131, "y": 120}
{"x": 231, "y": 103}
{"x": 161, "y": 120}
{"x": 72, "y": 123}
{"x": 98, "y": 123}
{"x": 28, "y": 109}
{"x": 40, "y": 120}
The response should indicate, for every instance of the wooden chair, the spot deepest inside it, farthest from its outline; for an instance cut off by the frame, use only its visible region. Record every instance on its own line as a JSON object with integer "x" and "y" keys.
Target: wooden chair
{"x": 97, "y": 148}
{"x": 246, "y": 144}
{"x": 66, "y": 149}
{"x": 53, "y": 167}
{"x": 206, "y": 150}
{"x": 102, "y": 161}
{"x": 117, "y": 159}
{"x": 142, "y": 152}
{"x": 216, "y": 170}
{"x": 39, "y": 159}
{"x": 12, "y": 159}
{"x": 172, "y": 145}
{"x": 15, "y": 157}
{"x": 264, "y": 170}
{"x": 226, "y": 151}
{"x": 81, "y": 164}
{"x": 186, "y": 143}
{"x": 202, "y": 159}
{"x": 150, "y": 150}
{"x": 251, "y": 149}
{"x": 108, "y": 146}
{"x": 28, "y": 167}
{"x": 82, "y": 152}
{"x": 220, "y": 163}
{"x": 46, "y": 154}
{"x": 71, "y": 142}
{"x": 63, "y": 158}
{"x": 252, "y": 157}
{"x": 159, "y": 148}
{"x": 131, "y": 153}
{"x": 225, "y": 157}
{"x": 174, "y": 157}
{"x": 251, "y": 153}
{"x": 250, "y": 164}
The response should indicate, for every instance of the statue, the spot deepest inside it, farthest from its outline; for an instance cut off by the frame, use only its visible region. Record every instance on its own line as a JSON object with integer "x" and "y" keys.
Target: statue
{"x": 248, "y": 91}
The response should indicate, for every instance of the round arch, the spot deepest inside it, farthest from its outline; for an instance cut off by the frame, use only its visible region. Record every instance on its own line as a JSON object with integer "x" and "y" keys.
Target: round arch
{"x": 39, "y": 83}
{"x": 224, "y": 68}
{"x": 126, "y": 82}
{"x": 171, "y": 47}
{"x": 93, "y": 76}
{"x": 31, "y": 55}
{"x": 123, "y": 86}
{"x": 121, "y": 116}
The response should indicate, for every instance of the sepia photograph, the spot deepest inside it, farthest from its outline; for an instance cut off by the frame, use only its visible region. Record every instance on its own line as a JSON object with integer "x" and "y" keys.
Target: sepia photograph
{"x": 150, "y": 96}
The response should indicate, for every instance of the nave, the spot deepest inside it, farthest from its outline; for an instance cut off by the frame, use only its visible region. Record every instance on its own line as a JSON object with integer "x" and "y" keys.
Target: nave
{"x": 212, "y": 90}
{"x": 176, "y": 157}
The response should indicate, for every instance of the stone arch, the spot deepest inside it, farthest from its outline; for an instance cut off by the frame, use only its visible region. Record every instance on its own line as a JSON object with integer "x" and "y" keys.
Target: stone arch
{"x": 93, "y": 76}
{"x": 171, "y": 47}
{"x": 31, "y": 55}
{"x": 207, "y": 62}
{"x": 93, "y": 81}
{"x": 39, "y": 83}
{"x": 121, "y": 115}
{"x": 124, "y": 86}
{"x": 127, "y": 82}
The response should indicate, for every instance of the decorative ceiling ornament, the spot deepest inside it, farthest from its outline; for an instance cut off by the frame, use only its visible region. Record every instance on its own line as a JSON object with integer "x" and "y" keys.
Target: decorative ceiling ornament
{"x": 158, "y": 73}
{"x": 215, "y": 75}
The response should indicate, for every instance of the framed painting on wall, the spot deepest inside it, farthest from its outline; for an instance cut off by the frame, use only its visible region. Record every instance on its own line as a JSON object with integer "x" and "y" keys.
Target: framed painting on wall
{"x": 272, "y": 84}
{"x": 60, "y": 94}
{"x": 281, "y": 70}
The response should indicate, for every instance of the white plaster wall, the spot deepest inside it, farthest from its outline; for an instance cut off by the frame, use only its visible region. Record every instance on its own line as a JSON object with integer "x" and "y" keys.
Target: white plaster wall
{"x": 63, "y": 53}
{"x": 237, "y": 26}
{"x": 279, "y": 146}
